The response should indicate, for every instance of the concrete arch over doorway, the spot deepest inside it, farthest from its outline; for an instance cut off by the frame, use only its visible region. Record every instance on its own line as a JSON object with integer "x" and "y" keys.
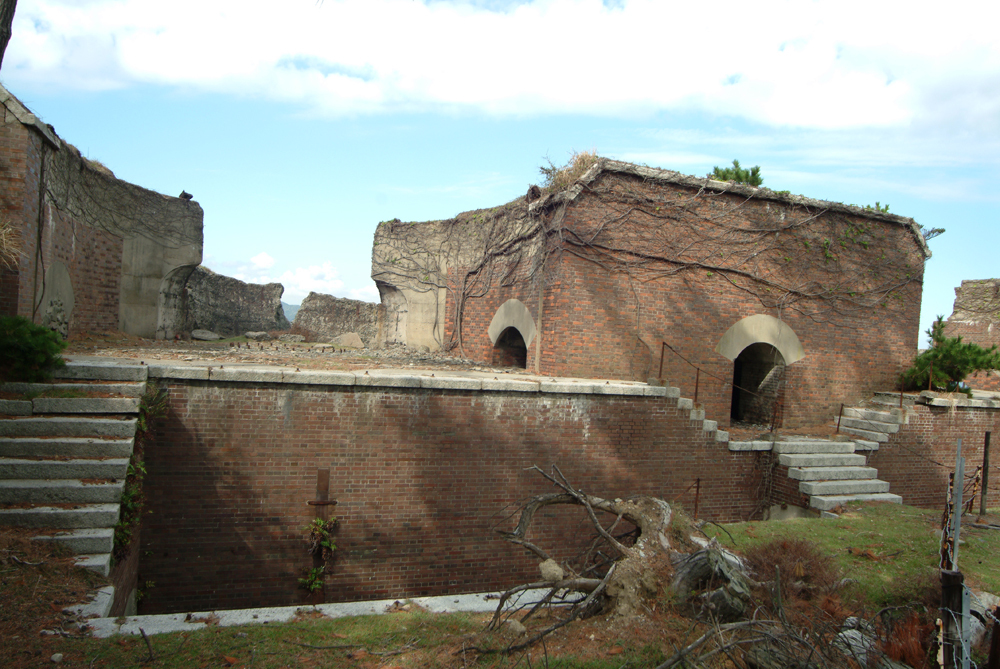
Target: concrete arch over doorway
{"x": 512, "y": 314}
{"x": 761, "y": 329}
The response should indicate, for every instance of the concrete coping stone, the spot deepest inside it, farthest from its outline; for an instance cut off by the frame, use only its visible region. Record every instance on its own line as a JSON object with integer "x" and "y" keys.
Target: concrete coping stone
{"x": 609, "y": 388}
{"x": 451, "y": 383}
{"x": 246, "y": 374}
{"x": 178, "y": 622}
{"x": 320, "y": 378}
{"x": 403, "y": 379}
{"x": 865, "y": 445}
{"x": 513, "y": 385}
{"x": 178, "y": 372}
{"x": 569, "y": 387}
{"x": 749, "y": 445}
{"x": 102, "y": 371}
{"x": 930, "y": 399}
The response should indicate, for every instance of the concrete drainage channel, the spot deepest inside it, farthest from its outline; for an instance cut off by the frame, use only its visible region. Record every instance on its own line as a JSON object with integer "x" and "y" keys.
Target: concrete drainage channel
{"x": 102, "y": 627}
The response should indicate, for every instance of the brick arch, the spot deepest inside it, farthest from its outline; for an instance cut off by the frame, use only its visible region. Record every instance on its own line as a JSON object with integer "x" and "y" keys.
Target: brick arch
{"x": 512, "y": 314}
{"x": 761, "y": 329}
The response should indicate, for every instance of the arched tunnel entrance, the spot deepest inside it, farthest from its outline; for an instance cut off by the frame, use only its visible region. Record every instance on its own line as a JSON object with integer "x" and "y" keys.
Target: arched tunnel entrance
{"x": 510, "y": 350}
{"x": 758, "y": 376}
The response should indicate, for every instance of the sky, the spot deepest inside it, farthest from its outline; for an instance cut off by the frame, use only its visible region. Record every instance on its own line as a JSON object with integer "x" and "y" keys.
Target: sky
{"x": 300, "y": 125}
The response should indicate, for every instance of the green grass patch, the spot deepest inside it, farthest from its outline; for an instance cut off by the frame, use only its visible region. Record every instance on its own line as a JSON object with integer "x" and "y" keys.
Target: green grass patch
{"x": 891, "y": 550}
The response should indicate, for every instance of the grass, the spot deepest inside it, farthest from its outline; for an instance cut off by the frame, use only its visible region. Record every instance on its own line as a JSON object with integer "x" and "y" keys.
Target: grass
{"x": 891, "y": 550}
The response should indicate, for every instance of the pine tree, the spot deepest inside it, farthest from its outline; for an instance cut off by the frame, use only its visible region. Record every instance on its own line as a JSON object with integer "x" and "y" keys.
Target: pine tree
{"x": 738, "y": 174}
{"x": 949, "y": 360}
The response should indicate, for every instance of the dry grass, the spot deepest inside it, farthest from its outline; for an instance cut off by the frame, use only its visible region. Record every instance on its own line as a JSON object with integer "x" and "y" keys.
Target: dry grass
{"x": 561, "y": 178}
{"x": 10, "y": 244}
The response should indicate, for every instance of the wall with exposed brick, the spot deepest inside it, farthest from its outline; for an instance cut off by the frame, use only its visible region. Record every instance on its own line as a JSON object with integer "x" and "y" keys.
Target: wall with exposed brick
{"x": 916, "y": 460}
{"x": 422, "y": 477}
{"x": 608, "y": 306}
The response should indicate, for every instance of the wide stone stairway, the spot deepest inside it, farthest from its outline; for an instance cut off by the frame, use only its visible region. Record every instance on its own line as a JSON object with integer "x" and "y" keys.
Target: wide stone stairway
{"x": 64, "y": 455}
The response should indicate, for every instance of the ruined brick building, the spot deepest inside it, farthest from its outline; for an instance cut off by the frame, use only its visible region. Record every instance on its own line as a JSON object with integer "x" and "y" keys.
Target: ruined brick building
{"x": 764, "y": 304}
{"x": 96, "y": 251}
{"x": 976, "y": 319}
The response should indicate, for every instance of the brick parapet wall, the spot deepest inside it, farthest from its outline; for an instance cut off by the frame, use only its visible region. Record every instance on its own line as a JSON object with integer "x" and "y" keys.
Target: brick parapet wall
{"x": 422, "y": 477}
{"x": 916, "y": 460}
{"x": 985, "y": 333}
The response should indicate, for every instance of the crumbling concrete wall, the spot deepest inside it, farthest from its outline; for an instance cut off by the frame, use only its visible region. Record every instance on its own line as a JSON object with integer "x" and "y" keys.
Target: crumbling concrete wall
{"x": 222, "y": 304}
{"x": 95, "y": 248}
{"x": 323, "y": 317}
{"x": 976, "y": 319}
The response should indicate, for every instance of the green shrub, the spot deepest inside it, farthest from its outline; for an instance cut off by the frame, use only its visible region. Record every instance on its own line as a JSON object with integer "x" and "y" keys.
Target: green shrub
{"x": 28, "y": 352}
{"x": 949, "y": 360}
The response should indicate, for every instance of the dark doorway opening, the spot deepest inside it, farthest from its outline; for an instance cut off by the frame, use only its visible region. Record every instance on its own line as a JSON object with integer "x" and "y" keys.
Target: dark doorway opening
{"x": 510, "y": 351}
{"x": 758, "y": 376}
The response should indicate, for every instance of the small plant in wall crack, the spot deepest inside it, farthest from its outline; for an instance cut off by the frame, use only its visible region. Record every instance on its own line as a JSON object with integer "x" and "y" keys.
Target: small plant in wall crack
{"x": 313, "y": 580}
{"x": 320, "y": 538}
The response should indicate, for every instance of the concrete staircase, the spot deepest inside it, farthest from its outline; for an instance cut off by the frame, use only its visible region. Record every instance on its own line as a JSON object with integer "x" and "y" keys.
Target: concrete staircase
{"x": 63, "y": 460}
{"x": 873, "y": 424}
{"x": 832, "y": 473}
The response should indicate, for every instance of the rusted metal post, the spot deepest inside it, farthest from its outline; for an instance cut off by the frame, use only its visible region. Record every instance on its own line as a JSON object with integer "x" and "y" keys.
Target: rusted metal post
{"x": 986, "y": 481}
{"x": 697, "y": 377}
{"x": 663, "y": 352}
{"x": 697, "y": 496}
{"x": 901, "y": 395}
{"x": 839, "y": 416}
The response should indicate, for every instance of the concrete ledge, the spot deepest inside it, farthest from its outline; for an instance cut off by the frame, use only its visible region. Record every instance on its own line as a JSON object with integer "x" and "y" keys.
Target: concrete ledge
{"x": 15, "y": 407}
{"x": 181, "y": 622}
{"x": 931, "y": 399}
{"x": 654, "y": 391}
{"x": 566, "y": 387}
{"x": 685, "y": 403}
{"x": 450, "y": 383}
{"x": 386, "y": 380}
{"x": 246, "y": 374}
{"x": 178, "y": 372}
{"x": 320, "y": 378}
{"x": 608, "y": 388}
{"x": 749, "y": 445}
{"x": 709, "y": 425}
{"x": 511, "y": 385}
{"x": 721, "y": 436}
{"x": 101, "y": 563}
{"x": 102, "y": 371}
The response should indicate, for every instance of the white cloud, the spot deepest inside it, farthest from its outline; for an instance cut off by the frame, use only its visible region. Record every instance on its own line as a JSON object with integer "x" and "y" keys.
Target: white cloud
{"x": 262, "y": 261}
{"x": 300, "y": 281}
{"x": 831, "y": 64}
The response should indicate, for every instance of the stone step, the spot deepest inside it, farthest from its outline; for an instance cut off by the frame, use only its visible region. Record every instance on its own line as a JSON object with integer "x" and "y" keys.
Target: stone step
{"x": 101, "y": 372}
{"x": 46, "y": 491}
{"x": 870, "y": 425}
{"x": 866, "y": 434}
{"x": 864, "y": 445}
{"x": 100, "y": 562}
{"x": 830, "y": 502}
{"x": 86, "y": 405}
{"x": 69, "y": 446}
{"x": 891, "y": 416}
{"x": 77, "y": 516}
{"x": 813, "y": 446}
{"x": 84, "y": 541}
{"x": 17, "y": 468}
{"x": 831, "y": 473}
{"x": 57, "y": 426}
{"x": 124, "y": 389}
{"x": 821, "y": 460}
{"x": 852, "y": 487}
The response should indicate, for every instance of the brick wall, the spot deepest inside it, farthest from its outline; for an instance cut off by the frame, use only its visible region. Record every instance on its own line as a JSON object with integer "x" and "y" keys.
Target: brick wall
{"x": 916, "y": 460}
{"x": 601, "y": 322}
{"x": 985, "y": 333}
{"x": 421, "y": 476}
